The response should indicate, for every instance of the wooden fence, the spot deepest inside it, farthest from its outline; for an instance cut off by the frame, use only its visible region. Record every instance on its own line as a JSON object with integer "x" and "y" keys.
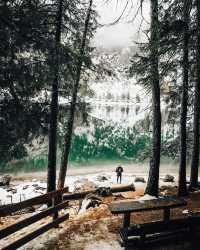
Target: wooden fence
{"x": 9, "y": 209}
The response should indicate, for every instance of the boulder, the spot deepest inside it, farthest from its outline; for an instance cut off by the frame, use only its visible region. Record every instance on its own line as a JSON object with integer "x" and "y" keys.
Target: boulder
{"x": 168, "y": 178}
{"x": 25, "y": 187}
{"x": 12, "y": 190}
{"x": 102, "y": 178}
{"x": 40, "y": 188}
{"x": 84, "y": 185}
{"x": 140, "y": 179}
{"x": 35, "y": 185}
{"x": 5, "y": 180}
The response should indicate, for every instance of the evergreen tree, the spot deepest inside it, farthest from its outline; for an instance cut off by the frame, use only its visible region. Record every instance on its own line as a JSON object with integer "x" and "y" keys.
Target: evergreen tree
{"x": 51, "y": 180}
{"x": 73, "y": 104}
{"x": 27, "y": 57}
{"x": 182, "y": 187}
{"x": 23, "y": 73}
{"x": 195, "y": 152}
{"x": 153, "y": 180}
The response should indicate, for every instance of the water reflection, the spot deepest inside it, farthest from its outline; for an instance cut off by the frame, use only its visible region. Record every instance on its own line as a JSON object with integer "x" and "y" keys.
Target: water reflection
{"x": 118, "y": 101}
{"x": 114, "y": 112}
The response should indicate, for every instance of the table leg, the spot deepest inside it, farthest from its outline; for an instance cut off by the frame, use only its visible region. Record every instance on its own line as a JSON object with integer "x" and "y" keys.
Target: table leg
{"x": 166, "y": 214}
{"x": 127, "y": 217}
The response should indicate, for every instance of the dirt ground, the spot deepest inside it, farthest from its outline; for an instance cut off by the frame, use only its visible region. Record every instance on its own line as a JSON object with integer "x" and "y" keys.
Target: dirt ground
{"x": 95, "y": 225}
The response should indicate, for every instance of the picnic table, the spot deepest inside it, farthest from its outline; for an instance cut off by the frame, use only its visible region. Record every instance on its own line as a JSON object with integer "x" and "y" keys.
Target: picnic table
{"x": 128, "y": 207}
{"x": 155, "y": 232}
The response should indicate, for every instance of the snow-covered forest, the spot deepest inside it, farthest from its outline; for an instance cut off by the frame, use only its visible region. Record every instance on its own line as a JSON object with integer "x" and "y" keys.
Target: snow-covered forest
{"x": 99, "y": 115}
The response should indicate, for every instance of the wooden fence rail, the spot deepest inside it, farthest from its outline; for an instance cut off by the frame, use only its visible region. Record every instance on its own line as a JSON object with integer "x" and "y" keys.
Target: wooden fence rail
{"x": 22, "y": 241}
{"x": 28, "y": 221}
{"x": 42, "y": 199}
{"x": 8, "y": 209}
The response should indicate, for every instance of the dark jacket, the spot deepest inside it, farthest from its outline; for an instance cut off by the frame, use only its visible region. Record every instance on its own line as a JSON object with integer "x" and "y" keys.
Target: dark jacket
{"x": 119, "y": 170}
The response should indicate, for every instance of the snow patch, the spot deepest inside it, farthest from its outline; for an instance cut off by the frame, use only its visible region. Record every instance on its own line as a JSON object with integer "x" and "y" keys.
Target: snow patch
{"x": 84, "y": 206}
{"x": 146, "y": 197}
{"x": 102, "y": 244}
{"x": 186, "y": 211}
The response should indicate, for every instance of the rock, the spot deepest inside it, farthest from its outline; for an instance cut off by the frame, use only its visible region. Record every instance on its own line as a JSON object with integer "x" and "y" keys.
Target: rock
{"x": 12, "y": 190}
{"x": 5, "y": 180}
{"x": 102, "y": 178}
{"x": 140, "y": 179}
{"x": 40, "y": 188}
{"x": 168, "y": 178}
{"x": 25, "y": 187}
{"x": 35, "y": 185}
{"x": 84, "y": 185}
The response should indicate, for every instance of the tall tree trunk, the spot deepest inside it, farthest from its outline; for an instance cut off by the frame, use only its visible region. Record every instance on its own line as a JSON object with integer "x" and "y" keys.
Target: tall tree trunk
{"x": 195, "y": 151}
{"x": 70, "y": 123}
{"x": 51, "y": 178}
{"x": 182, "y": 189}
{"x": 153, "y": 180}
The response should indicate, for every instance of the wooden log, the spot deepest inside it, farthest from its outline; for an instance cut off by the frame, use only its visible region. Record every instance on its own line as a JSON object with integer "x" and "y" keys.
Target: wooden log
{"x": 42, "y": 199}
{"x": 81, "y": 195}
{"x": 36, "y": 233}
{"x": 123, "y": 188}
{"x": 28, "y": 221}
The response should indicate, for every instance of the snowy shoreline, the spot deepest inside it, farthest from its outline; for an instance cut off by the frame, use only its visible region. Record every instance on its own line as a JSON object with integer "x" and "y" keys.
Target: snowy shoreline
{"x": 20, "y": 190}
{"x": 86, "y": 228}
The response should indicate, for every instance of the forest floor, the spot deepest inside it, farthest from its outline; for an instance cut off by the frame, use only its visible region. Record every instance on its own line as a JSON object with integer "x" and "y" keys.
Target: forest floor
{"x": 96, "y": 228}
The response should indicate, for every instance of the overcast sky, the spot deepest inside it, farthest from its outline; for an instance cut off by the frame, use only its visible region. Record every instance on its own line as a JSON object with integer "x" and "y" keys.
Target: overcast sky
{"x": 125, "y": 32}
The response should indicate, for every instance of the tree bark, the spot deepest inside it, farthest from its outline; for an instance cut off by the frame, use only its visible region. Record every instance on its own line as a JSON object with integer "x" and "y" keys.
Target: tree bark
{"x": 70, "y": 123}
{"x": 153, "y": 180}
{"x": 51, "y": 178}
{"x": 182, "y": 188}
{"x": 195, "y": 151}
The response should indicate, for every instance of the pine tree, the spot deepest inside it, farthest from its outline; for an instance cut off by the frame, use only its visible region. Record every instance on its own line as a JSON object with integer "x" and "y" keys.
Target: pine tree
{"x": 23, "y": 73}
{"x": 182, "y": 188}
{"x": 195, "y": 152}
{"x": 153, "y": 180}
{"x": 51, "y": 180}
{"x": 70, "y": 123}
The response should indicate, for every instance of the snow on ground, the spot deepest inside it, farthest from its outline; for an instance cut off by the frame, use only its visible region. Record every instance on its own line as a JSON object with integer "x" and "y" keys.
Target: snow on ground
{"x": 19, "y": 191}
{"x": 91, "y": 229}
{"x": 146, "y": 197}
{"x": 102, "y": 244}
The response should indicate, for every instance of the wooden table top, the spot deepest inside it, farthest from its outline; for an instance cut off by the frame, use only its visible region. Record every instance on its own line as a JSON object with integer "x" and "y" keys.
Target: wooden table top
{"x": 146, "y": 205}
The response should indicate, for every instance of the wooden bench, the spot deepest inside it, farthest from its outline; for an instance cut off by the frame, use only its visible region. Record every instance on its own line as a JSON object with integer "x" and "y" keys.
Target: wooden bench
{"x": 157, "y": 230}
{"x": 161, "y": 231}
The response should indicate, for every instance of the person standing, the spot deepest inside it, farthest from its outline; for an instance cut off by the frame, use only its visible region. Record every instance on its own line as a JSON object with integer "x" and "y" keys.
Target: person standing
{"x": 119, "y": 171}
